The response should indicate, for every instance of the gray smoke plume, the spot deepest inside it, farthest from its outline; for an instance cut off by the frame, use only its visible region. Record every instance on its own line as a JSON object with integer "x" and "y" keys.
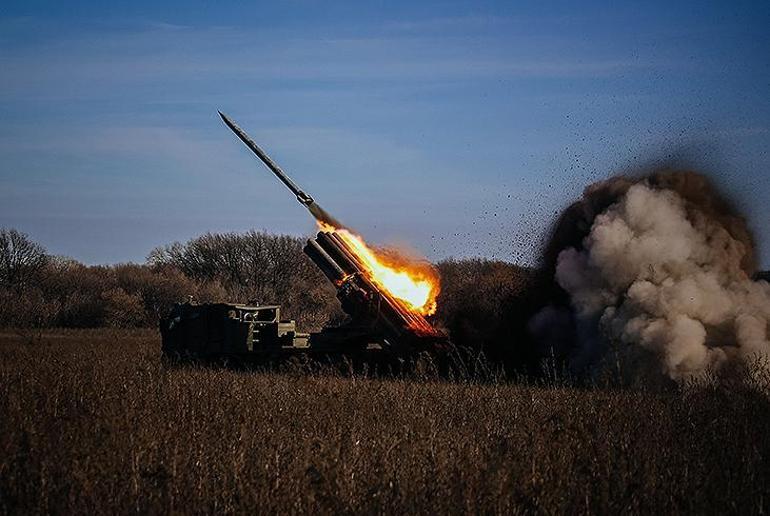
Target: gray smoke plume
{"x": 662, "y": 276}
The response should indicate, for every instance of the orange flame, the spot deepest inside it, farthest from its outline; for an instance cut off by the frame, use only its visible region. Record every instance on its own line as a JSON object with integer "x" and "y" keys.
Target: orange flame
{"x": 416, "y": 284}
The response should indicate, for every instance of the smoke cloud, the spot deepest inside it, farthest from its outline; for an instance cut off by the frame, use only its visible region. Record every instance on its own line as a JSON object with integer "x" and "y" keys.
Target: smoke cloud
{"x": 323, "y": 216}
{"x": 657, "y": 270}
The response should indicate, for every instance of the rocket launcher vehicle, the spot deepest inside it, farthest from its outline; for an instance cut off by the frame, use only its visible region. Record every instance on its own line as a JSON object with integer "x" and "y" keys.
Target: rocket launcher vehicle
{"x": 376, "y": 316}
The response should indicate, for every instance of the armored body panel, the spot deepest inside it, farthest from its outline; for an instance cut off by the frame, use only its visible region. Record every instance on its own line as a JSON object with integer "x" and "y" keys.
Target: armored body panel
{"x": 210, "y": 331}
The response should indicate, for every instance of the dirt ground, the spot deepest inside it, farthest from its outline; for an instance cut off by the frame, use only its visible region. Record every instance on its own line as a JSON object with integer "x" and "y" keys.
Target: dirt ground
{"x": 92, "y": 422}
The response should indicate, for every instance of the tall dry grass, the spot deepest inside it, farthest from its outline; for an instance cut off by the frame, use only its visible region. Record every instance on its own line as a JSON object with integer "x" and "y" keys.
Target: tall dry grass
{"x": 93, "y": 423}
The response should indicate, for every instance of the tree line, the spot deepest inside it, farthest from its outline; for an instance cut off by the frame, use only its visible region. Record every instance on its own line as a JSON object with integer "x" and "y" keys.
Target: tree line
{"x": 41, "y": 290}
{"x": 38, "y": 289}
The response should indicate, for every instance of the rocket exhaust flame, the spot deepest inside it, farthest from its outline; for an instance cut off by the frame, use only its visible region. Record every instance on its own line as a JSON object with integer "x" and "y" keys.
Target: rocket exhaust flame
{"x": 418, "y": 287}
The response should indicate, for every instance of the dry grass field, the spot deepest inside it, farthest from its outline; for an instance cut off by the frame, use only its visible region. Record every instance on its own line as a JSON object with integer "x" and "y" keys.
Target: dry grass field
{"x": 93, "y": 423}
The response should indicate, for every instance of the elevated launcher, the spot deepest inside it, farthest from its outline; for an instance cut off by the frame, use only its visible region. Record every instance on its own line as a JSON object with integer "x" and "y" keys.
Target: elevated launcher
{"x": 377, "y": 319}
{"x": 375, "y": 314}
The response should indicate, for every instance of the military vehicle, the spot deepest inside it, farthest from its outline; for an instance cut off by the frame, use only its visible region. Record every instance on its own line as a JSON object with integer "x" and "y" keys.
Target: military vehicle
{"x": 379, "y": 324}
{"x": 228, "y": 331}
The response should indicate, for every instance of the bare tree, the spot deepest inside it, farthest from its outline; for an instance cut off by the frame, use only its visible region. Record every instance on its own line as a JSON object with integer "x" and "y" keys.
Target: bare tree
{"x": 255, "y": 267}
{"x": 21, "y": 259}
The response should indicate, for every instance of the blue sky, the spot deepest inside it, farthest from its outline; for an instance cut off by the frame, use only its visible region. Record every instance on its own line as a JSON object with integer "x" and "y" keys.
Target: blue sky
{"x": 455, "y": 128}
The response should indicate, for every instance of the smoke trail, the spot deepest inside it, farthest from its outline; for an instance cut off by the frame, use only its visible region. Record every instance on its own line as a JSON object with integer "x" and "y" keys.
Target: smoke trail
{"x": 323, "y": 216}
{"x": 660, "y": 270}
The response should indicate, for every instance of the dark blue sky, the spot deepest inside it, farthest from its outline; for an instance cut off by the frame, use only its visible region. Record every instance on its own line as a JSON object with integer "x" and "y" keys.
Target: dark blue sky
{"x": 457, "y": 128}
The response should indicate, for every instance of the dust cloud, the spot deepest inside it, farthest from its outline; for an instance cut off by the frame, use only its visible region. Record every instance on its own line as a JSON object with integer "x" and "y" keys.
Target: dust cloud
{"x": 656, "y": 274}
